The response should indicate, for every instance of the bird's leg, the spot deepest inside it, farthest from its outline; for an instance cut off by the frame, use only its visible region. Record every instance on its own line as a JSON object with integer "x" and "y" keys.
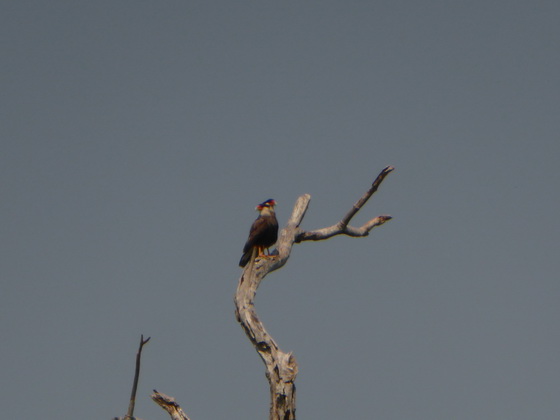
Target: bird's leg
{"x": 268, "y": 254}
{"x": 261, "y": 252}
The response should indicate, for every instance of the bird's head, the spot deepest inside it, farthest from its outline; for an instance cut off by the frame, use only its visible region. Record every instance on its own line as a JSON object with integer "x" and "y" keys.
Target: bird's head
{"x": 266, "y": 205}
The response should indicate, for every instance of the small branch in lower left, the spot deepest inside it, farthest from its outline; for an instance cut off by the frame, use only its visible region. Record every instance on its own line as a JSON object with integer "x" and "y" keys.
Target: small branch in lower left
{"x": 168, "y": 404}
{"x": 130, "y": 413}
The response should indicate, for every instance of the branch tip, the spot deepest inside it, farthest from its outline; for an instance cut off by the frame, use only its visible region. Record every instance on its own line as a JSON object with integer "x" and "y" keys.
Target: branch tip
{"x": 386, "y": 171}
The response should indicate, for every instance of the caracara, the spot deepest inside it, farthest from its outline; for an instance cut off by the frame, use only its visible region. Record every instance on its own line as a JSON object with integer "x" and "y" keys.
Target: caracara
{"x": 263, "y": 234}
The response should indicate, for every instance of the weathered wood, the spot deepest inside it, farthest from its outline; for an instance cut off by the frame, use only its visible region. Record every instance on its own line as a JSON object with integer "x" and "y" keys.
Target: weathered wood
{"x": 281, "y": 367}
{"x": 169, "y": 405}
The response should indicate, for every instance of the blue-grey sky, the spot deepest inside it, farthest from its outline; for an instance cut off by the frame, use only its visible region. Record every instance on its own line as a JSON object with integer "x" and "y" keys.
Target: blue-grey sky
{"x": 137, "y": 137}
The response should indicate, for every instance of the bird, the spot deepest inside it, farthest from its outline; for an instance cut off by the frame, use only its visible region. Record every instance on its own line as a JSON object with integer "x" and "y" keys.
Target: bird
{"x": 263, "y": 233}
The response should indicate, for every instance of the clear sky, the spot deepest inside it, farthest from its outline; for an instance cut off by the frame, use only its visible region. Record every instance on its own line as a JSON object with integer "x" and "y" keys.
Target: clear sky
{"x": 137, "y": 137}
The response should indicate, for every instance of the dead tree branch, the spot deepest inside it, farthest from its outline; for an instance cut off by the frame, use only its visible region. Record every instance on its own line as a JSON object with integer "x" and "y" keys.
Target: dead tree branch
{"x": 169, "y": 405}
{"x": 281, "y": 367}
{"x": 342, "y": 227}
{"x": 130, "y": 413}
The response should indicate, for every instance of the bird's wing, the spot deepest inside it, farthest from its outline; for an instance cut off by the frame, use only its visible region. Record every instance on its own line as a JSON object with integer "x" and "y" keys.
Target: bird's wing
{"x": 257, "y": 228}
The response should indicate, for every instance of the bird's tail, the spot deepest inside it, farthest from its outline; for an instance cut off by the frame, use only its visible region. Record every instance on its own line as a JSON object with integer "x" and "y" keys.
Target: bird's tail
{"x": 248, "y": 257}
{"x": 250, "y": 254}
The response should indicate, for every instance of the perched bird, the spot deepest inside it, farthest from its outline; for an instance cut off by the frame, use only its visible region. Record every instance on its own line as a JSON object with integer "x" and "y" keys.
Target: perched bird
{"x": 263, "y": 234}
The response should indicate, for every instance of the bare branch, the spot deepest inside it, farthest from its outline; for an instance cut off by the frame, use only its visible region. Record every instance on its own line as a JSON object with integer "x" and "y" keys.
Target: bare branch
{"x": 130, "y": 413}
{"x": 342, "y": 227}
{"x": 329, "y": 232}
{"x": 358, "y": 205}
{"x": 169, "y": 405}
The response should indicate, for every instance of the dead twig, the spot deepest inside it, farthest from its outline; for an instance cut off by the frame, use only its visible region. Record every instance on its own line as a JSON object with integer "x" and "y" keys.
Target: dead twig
{"x": 130, "y": 413}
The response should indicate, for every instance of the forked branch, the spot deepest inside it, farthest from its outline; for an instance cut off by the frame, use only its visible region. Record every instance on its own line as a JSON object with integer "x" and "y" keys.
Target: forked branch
{"x": 130, "y": 413}
{"x": 281, "y": 367}
{"x": 342, "y": 227}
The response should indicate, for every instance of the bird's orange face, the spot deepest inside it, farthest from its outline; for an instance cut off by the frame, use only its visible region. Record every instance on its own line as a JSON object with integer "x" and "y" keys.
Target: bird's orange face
{"x": 270, "y": 203}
